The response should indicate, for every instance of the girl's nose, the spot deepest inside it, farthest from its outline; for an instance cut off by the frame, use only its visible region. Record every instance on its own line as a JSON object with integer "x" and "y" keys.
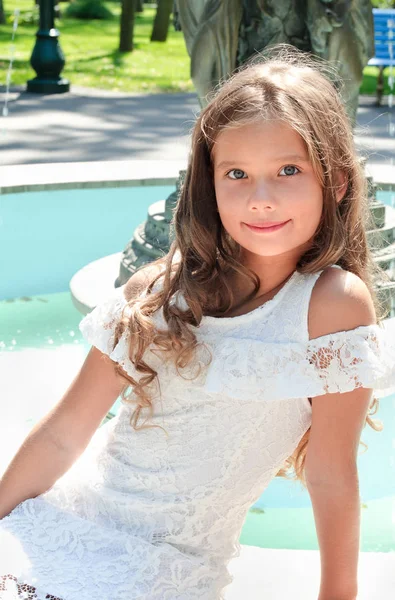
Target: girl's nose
{"x": 262, "y": 197}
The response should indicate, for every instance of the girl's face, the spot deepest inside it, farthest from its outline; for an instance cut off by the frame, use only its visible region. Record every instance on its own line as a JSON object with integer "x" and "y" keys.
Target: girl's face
{"x": 263, "y": 175}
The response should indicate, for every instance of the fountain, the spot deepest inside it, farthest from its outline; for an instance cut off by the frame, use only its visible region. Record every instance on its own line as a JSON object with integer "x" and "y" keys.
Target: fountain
{"x": 382, "y": 241}
{"x": 152, "y": 238}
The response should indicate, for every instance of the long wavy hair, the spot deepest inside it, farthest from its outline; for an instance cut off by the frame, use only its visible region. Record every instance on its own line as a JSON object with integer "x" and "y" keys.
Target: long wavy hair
{"x": 302, "y": 91}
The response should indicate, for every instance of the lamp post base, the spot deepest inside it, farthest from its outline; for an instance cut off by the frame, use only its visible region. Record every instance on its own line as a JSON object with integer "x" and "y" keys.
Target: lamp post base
{"x": 48, "y": 61}
{"x": 39, "y": 85}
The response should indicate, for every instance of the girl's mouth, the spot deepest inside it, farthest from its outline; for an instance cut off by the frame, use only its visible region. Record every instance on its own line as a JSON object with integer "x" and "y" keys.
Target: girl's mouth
{"x": 263, "y": 229}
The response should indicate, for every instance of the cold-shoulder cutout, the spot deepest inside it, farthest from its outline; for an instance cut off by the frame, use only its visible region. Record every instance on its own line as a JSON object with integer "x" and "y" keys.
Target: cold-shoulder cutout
{"x": 340, "y": 301}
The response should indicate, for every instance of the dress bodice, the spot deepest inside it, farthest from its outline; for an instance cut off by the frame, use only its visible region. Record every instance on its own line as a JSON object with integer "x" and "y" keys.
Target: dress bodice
{"x": 229, "y": 430}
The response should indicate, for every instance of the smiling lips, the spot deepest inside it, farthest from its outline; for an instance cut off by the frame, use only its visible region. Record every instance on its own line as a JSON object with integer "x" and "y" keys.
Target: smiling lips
{"x": 266, "y": 226}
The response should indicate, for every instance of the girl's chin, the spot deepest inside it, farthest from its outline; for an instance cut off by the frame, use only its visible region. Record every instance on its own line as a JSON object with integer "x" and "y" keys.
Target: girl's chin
{"x": 265, "y": 252}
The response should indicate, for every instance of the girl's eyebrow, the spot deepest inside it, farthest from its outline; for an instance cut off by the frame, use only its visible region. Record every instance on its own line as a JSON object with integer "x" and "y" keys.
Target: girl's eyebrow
{"x": 230, "y": 163}
{"x": 288, "y": 157}
{"x": 295, "y": 157}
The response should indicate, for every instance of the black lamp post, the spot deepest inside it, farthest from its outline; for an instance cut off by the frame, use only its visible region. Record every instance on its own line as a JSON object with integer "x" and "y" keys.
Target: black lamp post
{"x": 47, "y": 58}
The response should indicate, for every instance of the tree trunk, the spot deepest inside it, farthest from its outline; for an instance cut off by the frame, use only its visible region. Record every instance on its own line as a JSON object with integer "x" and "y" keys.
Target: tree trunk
{"x": 2, "y": 13}
{"x": 127, "y": 25}
{"x": 139, "y": 6}
{"x": 162, "y": 21}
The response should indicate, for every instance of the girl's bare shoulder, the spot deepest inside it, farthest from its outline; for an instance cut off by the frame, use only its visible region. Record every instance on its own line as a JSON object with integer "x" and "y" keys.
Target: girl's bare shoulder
{"x": 141, "y": 279}
{"x": 340, "y": 301}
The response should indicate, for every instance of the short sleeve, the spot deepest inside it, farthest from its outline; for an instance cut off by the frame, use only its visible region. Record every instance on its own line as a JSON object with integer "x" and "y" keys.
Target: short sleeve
{"x": 338, "y": 362}
{"x": 98, "y": 329}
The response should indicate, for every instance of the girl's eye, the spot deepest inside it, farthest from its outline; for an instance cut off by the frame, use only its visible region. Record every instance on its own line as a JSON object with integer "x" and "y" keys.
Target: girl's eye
{"x": 288, "y": 170}
{"x": 237, "y": 174}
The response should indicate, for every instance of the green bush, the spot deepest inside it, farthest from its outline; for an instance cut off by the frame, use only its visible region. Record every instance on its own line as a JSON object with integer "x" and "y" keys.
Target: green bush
{"x": 88, "y": 9}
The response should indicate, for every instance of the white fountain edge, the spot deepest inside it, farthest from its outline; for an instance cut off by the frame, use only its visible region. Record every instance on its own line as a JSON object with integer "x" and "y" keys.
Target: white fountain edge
{"x": 277, "y": 574}
{"x": 80, "y": 175}
{"x": 74, "y": 175}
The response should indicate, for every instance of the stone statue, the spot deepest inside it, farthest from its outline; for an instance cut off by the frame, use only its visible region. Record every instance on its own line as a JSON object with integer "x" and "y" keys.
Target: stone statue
{"x": 221, "y": 35}
{"x": 211, "y": 31}
{"x": 343, "y": 32}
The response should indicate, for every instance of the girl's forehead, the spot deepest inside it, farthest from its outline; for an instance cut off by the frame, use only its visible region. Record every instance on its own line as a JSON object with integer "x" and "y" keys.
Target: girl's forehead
{"x": 262, "y": 137}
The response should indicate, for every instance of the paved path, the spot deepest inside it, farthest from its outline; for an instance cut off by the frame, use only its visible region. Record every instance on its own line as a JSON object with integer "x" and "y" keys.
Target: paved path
{"x": 92, "y": 125}
{"x": 95, "y": 125}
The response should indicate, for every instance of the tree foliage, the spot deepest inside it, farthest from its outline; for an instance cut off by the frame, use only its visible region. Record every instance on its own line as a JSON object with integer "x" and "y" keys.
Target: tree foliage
{"x": 88, "y": 9}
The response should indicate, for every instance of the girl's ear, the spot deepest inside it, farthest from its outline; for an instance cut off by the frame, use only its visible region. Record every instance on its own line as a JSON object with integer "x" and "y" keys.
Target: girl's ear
{"x": 341, "y": 185}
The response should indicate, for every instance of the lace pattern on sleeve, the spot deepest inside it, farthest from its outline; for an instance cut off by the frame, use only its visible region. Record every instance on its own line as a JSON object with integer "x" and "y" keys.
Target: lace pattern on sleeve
{"x": 338, "y": 362}
{"x": 98, "y": 328}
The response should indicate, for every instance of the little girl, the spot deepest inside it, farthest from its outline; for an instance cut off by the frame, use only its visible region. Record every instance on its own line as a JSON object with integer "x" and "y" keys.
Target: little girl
{"x": 253, "y": 347}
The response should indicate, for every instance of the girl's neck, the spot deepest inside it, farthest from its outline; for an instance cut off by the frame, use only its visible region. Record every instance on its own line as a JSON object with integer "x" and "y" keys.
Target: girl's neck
{"x": 271, "y": 276}
{"x": 242, "y": 289}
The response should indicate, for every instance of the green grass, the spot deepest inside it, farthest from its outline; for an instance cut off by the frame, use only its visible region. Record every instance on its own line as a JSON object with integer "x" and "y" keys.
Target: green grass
{"x": 92, "y": 58}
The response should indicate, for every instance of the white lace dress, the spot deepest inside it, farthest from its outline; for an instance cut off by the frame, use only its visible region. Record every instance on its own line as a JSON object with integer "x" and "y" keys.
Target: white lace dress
{"x": 145, "y": 515}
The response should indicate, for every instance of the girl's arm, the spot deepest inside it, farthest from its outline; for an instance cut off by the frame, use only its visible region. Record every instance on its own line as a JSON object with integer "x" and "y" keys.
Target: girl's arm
{"x": 60, "y": 437}
{"x": 340, "y": 301}
{"x": 337, "y": 516}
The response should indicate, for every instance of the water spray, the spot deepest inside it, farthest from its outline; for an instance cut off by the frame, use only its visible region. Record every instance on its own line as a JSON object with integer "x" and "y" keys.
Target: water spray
{"x": 12, "y": 55}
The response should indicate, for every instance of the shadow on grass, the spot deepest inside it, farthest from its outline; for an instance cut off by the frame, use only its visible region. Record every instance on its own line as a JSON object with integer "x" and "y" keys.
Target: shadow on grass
{"x": 17, "y": 64}
{"x": 116, "y": 56}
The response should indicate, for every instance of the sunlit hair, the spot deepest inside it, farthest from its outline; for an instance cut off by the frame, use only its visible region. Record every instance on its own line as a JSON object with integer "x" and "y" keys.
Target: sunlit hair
{"x": 303, "y": 92}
